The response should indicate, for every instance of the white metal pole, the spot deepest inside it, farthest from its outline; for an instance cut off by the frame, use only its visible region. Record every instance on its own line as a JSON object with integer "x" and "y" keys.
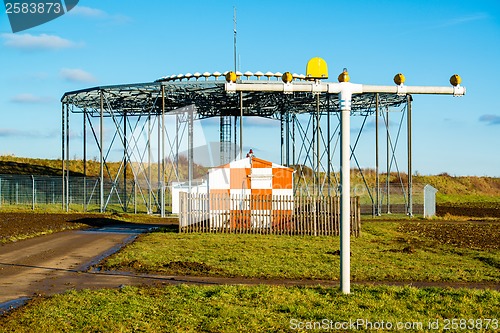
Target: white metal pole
{"x": 377, "y": 175}
{"x": 149, "y": 177}
{"x": 345, "y": 195}
{"x": 410, "y": 180}
{"x": 67, "y": 158}
{"x": 241, "y": 124}
{"x": 191, "y": 110}
{"x": 158, "y": 164}
{"x": 162, "y": 204}
{"x": 85, "y": 160}
{"x": 101, "y": 152}
{"x": 63, "y": 158}
{"x": 33, "y": 198}
{"x": 388, "y": 162}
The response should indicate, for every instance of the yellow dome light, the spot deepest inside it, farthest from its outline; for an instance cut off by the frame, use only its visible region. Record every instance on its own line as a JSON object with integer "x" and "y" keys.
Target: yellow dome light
{"x": 287, "y": 77}
{"x": 399, "y": 79}
{"x": 455, "y": 80}
{"x": 316, "y": 69}
{"x": 231, "y": 77}
{"x": 344, "y": 76}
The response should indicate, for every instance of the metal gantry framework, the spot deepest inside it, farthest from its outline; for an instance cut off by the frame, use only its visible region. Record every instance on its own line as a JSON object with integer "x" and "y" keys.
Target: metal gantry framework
{"x": 136, "y": 109}
{"x": 148, "y": 122}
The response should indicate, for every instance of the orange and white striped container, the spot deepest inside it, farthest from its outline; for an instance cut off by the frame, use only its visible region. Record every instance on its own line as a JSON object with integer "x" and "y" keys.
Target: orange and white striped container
{"x": 255, "y": 189}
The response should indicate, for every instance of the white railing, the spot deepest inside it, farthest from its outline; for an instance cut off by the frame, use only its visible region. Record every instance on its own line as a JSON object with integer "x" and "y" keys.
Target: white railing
{"x": 264, "y": 214}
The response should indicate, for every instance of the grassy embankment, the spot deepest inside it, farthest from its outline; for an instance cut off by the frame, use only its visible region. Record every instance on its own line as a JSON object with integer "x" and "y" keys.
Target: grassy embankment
{"x": 13, "y": 165}
{"x": 451, "y": 189}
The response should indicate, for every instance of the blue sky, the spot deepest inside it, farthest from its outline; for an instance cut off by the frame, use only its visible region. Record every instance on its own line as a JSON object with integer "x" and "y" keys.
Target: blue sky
{"x": 114, "y": 42}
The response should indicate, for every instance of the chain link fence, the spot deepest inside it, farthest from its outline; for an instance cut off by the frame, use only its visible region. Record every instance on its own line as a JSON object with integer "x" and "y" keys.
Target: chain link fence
{"x": 392, "y": 199}
{"x": 46, "y": 192}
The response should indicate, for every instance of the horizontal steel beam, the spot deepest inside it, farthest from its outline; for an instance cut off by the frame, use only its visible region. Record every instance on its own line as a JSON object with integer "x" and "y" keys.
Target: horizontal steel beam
{"x": 335, "y": 88}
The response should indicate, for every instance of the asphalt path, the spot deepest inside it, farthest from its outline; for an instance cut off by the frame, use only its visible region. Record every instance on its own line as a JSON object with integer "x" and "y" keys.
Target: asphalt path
{"x": 54, "y": 263}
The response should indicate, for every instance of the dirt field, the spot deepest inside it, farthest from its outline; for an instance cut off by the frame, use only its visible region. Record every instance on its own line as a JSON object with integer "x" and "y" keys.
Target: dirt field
{"x": 473, "y": 235}
{"x": 479, "y": 235}
{"x": 14, "y": 225}
{"x": 479, "y": 209}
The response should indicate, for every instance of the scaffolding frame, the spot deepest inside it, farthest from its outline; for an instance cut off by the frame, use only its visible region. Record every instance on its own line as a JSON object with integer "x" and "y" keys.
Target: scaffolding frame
{"x": 132, "y": 111}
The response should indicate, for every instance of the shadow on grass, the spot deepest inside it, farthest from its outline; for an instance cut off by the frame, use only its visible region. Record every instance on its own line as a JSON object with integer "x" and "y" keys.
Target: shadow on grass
{"x": 169, "y": 225}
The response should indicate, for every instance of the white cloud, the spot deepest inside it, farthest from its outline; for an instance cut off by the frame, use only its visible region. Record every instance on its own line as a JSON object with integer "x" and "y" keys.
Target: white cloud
{"x": 40, "y": 76}
{"x": 95, "y": 13}
{"x": 30, "y": 99}
{"x": 490, "y": 119}
{"x": 466, "y": 19}
{"x": 87, "y": 12}
{"x": 260, "y": 122}
{"x": 77, "y": 75}
{"x": 29, "y": 134}
{"x": 8, "y": 132}
{"x": 438, "y": 25}
{"x": 32, "y": 42}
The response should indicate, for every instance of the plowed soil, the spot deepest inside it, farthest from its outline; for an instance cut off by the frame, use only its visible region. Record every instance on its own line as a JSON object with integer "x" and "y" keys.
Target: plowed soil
{"x": 14, "y": 225}
{"x": 473, "y": 235}
{"x": 475, "y": 209}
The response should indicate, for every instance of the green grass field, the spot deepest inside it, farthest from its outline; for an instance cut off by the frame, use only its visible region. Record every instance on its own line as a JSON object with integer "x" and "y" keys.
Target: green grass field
{"x": 387, "y": 251}
{"x": 384, "y": 252}
{"x": 259, "y": 309}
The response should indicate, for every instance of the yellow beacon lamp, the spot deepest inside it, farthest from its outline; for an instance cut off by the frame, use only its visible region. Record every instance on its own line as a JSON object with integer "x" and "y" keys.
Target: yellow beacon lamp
{"x": 399, "y": 79}
{"x": 316, "y": 69}
{"x": 455, "y": 80}
{"x": 287, "y": 77}
{"x": 231, "y": 77}
{"x": 344, "y": 76}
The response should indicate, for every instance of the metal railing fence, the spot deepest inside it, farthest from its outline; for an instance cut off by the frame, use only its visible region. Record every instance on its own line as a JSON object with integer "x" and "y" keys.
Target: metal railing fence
{"x": 264, "y": 214}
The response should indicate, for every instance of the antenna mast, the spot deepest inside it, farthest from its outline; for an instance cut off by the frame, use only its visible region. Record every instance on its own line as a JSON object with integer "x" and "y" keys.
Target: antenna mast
{"x": 234, "y": 30}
